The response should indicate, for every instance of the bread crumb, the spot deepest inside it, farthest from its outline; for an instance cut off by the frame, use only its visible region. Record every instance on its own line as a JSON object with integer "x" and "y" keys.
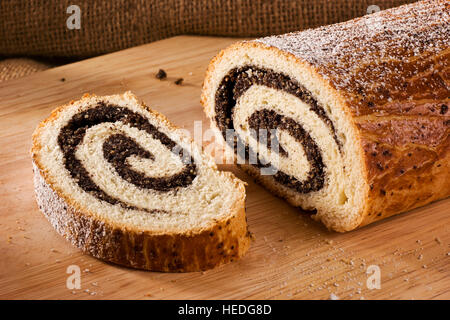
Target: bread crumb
{"x": 161, "y": 74}
{"x": 347, "y": 261}
{"x": 438, "y": 240}
{"x": 179, "y": 81}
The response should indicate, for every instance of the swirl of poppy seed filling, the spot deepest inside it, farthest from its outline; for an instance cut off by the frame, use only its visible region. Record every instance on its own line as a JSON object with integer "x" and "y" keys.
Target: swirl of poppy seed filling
{"x": 236, "y": 83}
{"x": 116, "y": 149}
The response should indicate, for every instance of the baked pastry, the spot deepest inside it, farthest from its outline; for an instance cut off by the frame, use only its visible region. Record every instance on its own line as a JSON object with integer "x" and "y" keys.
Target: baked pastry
{"x": 358, "y": 110}
{"x": 123, "y": 184}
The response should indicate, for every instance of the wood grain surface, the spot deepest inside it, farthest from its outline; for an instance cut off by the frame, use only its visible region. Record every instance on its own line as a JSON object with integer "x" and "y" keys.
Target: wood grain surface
{"x": 292, "y": 256}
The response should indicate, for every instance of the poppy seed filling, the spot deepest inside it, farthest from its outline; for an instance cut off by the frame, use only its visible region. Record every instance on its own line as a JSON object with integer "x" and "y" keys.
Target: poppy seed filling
{"x": 116, "y": 149}
{"x": 236, "y": 83}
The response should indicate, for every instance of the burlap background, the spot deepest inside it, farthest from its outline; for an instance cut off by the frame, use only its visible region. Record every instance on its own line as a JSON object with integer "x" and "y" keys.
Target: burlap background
{"x": 37, "y": 28}
{"x": 19, "y": 67}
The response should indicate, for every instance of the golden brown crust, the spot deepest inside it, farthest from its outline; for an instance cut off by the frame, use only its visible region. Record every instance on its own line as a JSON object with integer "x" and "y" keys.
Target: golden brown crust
{"x": 402, "y": 174}
{"x": 221, "y": 242}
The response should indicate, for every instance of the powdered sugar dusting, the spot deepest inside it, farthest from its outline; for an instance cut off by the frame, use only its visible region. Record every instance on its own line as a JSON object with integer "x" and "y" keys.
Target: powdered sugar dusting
{"x": 391, "y": 38}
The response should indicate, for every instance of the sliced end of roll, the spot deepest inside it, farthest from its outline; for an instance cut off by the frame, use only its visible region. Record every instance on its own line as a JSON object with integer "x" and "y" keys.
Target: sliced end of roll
{"x": 251, "y": 86}
{"x": 361, "y": 109}
{"x": 123, "y": 184}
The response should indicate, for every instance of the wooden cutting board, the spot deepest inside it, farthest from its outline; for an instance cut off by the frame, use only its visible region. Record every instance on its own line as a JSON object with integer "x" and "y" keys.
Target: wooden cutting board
{"x": 292, "y": 256}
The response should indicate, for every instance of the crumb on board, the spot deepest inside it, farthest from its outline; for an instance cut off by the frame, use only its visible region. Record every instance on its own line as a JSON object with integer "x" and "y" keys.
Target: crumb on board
{"x": 179, "y": 81}
{"x": 161, "y": 74}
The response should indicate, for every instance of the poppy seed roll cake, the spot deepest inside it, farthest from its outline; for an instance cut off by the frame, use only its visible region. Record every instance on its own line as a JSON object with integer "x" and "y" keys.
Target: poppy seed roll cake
{"x": 122, "y": 183}
{"x": 359, "y": 111}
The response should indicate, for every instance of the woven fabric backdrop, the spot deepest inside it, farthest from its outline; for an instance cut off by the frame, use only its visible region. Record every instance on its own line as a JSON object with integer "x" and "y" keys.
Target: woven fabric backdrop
{"x": 37, "y": 28}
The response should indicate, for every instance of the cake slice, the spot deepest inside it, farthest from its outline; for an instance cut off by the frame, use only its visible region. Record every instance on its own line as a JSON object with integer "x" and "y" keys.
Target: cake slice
{"x": 120, "y": 182}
